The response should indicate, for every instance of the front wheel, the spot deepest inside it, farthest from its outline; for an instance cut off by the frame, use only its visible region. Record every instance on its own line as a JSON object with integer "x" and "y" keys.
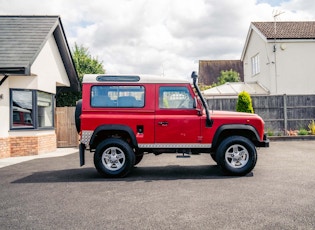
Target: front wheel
{"x": 114, "y": 158}
{"x": 213, "y": 156}
{"x": 236, "y": 155}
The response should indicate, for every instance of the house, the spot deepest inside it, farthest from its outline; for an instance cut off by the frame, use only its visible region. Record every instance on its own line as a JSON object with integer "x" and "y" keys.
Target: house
{"x": 210, "y": 70}
{"x": 280, "y": 56}
{"x": 35, "y": 63}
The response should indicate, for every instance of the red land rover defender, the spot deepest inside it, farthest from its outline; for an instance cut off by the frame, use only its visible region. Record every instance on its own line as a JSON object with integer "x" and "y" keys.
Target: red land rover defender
{"x": 122, "y": 117}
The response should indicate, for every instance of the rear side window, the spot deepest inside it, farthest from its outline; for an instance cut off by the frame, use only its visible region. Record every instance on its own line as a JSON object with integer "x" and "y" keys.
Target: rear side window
{"x": 117, "y": 96}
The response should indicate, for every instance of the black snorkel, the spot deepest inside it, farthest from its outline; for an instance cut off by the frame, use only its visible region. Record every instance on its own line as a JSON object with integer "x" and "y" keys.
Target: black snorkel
{"x": 194, "y": 76}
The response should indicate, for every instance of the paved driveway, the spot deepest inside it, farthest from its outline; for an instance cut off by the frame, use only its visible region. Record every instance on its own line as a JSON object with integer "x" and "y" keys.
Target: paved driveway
{"x": 163, "y": 192}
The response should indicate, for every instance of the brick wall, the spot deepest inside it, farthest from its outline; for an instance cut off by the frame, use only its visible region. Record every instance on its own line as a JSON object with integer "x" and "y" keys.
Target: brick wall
{"x": 27, "y": 145}
{"x": 47, "y": 143}
{"x": 23, "y": 146}
{"x": 4, "y": 147}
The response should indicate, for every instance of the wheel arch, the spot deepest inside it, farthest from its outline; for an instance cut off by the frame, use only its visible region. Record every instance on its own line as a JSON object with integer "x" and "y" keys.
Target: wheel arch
{"x": 225, "y": 131}
{"x": 113, "y": 130}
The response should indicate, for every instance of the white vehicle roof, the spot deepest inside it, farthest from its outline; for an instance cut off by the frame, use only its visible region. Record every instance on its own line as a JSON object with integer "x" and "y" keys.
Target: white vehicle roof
{"x": 130, "y": 78}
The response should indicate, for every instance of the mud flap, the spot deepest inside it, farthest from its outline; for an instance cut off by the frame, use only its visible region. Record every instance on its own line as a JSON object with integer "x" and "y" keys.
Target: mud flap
{"x": 82, "y": 154}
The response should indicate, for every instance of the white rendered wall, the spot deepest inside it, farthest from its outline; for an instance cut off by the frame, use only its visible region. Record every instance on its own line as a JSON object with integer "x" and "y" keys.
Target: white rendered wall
{"x": 47, "y": 71}
{"x": 296, "y": 67}
{"x": 49, "y": 68}
{"x": 289, "y": 70}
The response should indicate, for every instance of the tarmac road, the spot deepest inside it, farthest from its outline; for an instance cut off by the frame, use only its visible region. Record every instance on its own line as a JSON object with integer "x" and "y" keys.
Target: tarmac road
{"x": 163, "y": 192}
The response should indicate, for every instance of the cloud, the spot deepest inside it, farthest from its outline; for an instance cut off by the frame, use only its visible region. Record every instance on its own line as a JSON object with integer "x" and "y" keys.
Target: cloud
{"x": 160, "y": 37}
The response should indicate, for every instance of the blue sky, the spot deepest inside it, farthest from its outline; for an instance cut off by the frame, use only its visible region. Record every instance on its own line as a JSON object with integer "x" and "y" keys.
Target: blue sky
{"x": 272, "y": 2}
{"x": 160, "y": 36}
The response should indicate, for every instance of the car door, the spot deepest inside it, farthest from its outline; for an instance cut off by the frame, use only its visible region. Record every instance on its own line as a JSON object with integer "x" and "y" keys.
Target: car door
{"x": 176, "y": 119}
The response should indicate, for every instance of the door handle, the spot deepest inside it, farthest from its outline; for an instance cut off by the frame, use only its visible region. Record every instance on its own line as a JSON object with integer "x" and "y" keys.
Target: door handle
{"x": 163, "y": 123}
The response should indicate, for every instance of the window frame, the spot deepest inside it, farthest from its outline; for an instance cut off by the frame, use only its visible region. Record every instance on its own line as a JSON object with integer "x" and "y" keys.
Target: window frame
{"x": 34, "y": 116}
{"x": 255, "y": 64}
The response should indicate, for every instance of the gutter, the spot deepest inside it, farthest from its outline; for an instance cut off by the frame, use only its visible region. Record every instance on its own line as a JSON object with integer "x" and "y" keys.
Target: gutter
{"x": 6, "y": 72}
{"x": 4, "y": 78}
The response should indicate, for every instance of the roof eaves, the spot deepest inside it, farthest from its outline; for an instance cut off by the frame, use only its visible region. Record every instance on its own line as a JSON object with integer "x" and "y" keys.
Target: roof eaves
{"x": 12, "y": 70}
{"x": 65, "y": 52}
{"x": 259, "y": 32}
{"x": 249, "y": 33}
{"x": 252, "y": 28}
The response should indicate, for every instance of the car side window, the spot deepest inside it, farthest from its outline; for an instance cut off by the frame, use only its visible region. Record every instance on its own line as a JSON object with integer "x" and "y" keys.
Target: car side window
{"x": 175, "y": 98}
{"x": 117, "y": 96}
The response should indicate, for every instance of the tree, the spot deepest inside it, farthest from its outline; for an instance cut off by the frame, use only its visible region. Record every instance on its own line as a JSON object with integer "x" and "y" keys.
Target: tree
{"x": 228, "y": 76}
{"x": 244, "y": 103}
{"x": 84, "y": 64}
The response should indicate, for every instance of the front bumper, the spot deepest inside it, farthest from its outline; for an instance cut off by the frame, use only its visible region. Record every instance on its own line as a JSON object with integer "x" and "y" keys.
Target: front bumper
{"x": 264, "y": 143}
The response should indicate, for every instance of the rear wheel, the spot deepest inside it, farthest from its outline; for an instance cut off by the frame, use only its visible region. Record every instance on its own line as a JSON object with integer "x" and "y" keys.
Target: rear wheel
{"x": 114, "y": 158}
{"x": 236, "y": 155}
{"x": 138, "y": 158}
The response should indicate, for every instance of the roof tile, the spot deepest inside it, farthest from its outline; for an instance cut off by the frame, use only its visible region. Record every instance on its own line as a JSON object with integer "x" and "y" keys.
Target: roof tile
{"x": 21, "y": 37}
{"x": 287, "y": 30}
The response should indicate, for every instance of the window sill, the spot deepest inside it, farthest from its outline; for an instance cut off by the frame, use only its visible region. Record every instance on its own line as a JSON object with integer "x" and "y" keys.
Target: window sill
{"x": 30, "y": 132}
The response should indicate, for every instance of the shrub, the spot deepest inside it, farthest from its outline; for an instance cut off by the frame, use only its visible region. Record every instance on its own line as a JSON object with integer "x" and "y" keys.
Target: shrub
{"x": 244, "y": 103}
{"x": 311, "y": 126}
{"x": 292, "y": 132}
{"x": 303, "y": 132}
{"x": 228, "y": 76}
{"x": 270, "y": 133}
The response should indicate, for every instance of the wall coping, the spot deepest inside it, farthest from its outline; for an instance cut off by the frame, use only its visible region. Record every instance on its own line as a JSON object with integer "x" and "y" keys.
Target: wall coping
{"x": 292, "y": 138}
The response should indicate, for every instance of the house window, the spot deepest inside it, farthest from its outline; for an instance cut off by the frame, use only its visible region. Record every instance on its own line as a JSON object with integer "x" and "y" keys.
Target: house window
{"x": 255, "y": 65}
{"x": 31, "y": 109}
{"x": 22, "y": 109}
{"x": 45, "y": 118}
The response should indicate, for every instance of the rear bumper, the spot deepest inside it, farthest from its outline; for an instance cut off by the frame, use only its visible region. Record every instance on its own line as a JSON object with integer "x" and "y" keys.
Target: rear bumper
{"x": 264, "y": 143}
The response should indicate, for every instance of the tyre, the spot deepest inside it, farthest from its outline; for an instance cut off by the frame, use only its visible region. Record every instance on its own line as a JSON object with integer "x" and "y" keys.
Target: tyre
{"x": 236, "y": 155}
{"x": 138, "y": 158}
{"x": 77, "y": 114}
{"x": 213, "y": 157}
{"x": 114, "y": 158}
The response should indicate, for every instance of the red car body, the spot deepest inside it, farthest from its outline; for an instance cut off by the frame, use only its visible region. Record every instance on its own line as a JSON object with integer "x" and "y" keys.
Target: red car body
{"x": 150, "y": 123}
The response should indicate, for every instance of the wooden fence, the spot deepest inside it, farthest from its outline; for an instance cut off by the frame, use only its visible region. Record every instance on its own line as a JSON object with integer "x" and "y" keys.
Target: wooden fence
{"x": 66, "y": 132}
{"x": 280, "y": 113}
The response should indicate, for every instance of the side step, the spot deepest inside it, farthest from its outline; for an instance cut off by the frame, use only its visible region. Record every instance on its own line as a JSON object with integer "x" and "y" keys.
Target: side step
{"x": 183, "y": 156}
